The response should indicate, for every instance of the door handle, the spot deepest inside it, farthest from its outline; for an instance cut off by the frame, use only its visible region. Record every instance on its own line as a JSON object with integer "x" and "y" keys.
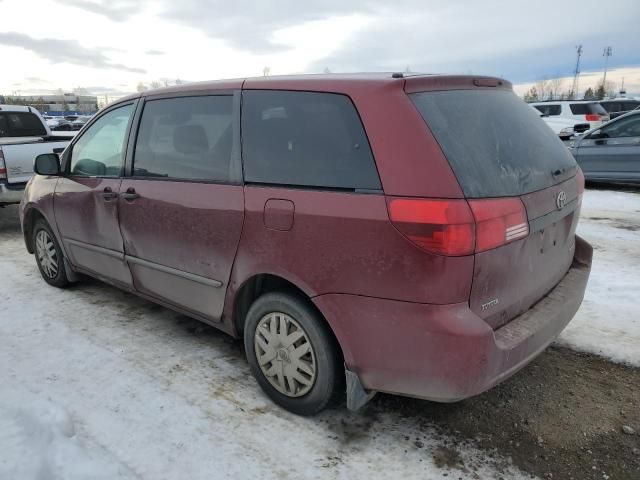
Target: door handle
{"x": 130, "y": 194}
{"x": 108, "y": 193}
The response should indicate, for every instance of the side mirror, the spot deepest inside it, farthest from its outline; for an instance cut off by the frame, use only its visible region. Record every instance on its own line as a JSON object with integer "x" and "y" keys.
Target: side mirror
{"x": 47, "y": 164}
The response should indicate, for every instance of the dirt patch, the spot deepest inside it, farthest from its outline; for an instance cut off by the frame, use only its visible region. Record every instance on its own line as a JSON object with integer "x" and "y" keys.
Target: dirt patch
{"x": 562, "y": 416}
{"x": 626, "y": 226}
{"x": 447, "y": 457}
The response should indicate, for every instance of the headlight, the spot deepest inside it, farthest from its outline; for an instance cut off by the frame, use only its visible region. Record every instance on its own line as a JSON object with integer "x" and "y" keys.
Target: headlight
{"x": 567, "y": 131}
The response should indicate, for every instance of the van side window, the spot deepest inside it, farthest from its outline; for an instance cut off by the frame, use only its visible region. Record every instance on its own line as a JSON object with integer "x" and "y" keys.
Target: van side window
{"x": 186, "y": 138}
{"x": 99, "y": 151}
{"x": 549, "y": 109}
{"x": 305, "y": 139}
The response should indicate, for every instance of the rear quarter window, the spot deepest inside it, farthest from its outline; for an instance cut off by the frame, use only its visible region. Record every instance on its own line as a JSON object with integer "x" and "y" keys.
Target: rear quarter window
{"x": 305, "y": 139}
{"x": 495, "y": 143}
{"x": 587, "y": 108}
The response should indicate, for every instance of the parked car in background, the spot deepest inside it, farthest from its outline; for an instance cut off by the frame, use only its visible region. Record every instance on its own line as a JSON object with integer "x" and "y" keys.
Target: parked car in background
{"x": 63, "y": 126}
{"x": 79, "y": 122}
{"x": 353, "y": 229}
{"x": 565, "y": 128}
{"x": 611, "y": 153}
{"x": 578, "y": 111}
{"x": 57, "y": 123}
{"x": 23, "y": 136}
{"x": 619, "y": 106}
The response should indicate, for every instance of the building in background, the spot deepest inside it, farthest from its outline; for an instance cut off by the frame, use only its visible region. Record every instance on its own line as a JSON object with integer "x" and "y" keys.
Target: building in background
{"x": 58, "y": 104}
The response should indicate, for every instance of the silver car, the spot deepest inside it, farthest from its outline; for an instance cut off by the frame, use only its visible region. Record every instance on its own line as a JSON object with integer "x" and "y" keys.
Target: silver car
{"x": 611, "y": 152}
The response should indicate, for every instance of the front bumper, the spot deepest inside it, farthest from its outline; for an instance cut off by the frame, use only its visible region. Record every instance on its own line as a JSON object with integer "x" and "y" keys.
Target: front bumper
{"x": 445, "y": 352}
{"x": 10, "y": 195}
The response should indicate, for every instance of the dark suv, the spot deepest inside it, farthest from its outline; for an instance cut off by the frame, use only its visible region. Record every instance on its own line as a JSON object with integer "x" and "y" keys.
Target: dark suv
{"x": 405, "y": 234}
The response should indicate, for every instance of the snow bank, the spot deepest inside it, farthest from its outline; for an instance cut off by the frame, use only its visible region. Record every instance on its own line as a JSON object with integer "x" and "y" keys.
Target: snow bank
{"x": 38, "y": 441}
{"x": 608, "y": 322}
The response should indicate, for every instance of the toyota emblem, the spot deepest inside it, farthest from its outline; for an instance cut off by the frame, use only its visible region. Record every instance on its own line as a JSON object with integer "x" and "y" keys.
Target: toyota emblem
{"x": 561, "y": 200}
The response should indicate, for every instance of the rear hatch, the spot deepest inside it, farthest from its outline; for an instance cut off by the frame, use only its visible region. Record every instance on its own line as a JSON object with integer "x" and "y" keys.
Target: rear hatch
{"x": 523, "y": 187}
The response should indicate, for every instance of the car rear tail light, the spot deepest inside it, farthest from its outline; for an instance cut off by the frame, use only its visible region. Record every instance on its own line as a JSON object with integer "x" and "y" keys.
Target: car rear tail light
{"x": 592, "y": 117}
{"x": 459, "y": 227}
{"x": 440, "y": 226}
{"x": 3, "y": 167}
{"x": 498, "y": 221}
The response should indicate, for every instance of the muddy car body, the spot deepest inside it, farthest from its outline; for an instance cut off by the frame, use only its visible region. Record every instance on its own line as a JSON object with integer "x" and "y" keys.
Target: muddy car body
{"x": 405, "y": 234}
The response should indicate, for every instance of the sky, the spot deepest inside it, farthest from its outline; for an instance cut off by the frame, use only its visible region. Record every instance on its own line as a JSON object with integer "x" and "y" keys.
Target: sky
{"x": 110, "y": 46}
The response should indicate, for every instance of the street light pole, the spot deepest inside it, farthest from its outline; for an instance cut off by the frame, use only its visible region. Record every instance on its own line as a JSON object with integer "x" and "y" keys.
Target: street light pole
{"x": 606, "y": 54}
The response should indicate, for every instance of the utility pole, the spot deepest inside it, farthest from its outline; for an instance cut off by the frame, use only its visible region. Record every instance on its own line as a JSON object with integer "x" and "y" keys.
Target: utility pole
{"x": 606, "y": 54}
{"x": 576, "y": 72}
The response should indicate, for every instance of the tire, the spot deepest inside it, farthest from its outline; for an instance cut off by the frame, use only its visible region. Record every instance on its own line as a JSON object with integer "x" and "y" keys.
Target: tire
{"x": 49, "y": 256}
{"x": 302, "y": 379}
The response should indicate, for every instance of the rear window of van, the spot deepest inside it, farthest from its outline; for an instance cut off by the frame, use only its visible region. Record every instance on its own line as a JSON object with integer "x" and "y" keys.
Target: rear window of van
{"x": 495, "y": 143}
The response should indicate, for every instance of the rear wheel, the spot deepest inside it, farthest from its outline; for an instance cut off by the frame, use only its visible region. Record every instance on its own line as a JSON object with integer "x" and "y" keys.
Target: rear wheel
{"x": 49, "y": 256}
{"x": 293, "y": 357}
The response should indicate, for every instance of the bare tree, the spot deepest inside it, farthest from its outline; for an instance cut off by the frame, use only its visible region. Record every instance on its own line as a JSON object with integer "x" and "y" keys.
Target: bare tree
{"x": 155, "y": 84}
{"x": 141, "y": 87}
{"x": 610, "y": 88}
{"x": 555, "y": 86}
{"x": 543, "y": 89}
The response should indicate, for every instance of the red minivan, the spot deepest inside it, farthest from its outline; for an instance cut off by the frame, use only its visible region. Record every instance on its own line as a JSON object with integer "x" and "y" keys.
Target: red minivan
{"x": 409, "y": 234}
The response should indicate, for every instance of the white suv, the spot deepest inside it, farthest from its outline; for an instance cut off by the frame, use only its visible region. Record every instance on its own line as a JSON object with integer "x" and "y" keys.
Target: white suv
{"x": 580, "y": 111}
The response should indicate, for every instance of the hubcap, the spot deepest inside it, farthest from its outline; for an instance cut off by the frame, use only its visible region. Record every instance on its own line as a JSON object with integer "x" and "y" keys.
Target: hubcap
{"x": 285, "y": 354}
{"x": 47, "y": 256}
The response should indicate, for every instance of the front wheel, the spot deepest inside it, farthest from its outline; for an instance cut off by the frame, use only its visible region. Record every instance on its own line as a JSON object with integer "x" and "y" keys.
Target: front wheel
{"x": 49, "y": 256}
{"x": 292, "y": 355}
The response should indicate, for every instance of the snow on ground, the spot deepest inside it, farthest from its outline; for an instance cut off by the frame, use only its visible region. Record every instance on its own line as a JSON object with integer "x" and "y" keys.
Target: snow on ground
{"x": 608, "y": 322}
{"x": 99, "y": 384}
{"x": 96, "y": 383}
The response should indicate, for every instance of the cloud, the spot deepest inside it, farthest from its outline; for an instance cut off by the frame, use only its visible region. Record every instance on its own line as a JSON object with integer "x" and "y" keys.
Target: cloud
{"x": 154, "y": 52}
{"x": 35, "y": 79}
{"x": 493, "y": 37}
{"x": 116, "y": 10}
{"x": 249, "y": 25}
{"x": 63, "y": 51}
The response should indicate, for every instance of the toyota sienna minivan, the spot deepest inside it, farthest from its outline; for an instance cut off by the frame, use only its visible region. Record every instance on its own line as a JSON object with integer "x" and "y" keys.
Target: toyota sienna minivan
{"x": 409, "y": 234}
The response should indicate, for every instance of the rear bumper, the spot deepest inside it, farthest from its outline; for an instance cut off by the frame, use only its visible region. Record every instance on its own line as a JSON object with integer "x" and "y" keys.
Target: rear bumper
{"x": 446, "y": 352}
{"x": 10, "y": 195}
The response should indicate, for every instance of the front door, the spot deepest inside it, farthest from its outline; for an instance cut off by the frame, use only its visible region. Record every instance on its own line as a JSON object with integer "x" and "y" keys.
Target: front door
{"x": 182, "y": 207}
{"x": 86, "y": 197}
{"x": 613, "y": 151}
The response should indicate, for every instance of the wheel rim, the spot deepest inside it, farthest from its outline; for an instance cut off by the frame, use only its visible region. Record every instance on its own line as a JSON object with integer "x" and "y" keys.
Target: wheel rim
{"x": 285, "y": 354}
{"x": 47, "y": 255}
